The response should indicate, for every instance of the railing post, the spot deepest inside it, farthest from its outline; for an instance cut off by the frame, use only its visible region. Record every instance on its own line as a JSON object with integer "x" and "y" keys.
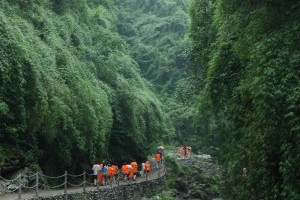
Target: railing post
{"x": 37, "y": 185}
{"x": 20, "y": 188}
{"x": 66, "y": 182}
{"x": 84, "y": 180}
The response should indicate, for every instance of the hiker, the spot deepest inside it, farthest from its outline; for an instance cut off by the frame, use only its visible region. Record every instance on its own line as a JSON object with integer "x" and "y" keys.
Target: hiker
{"x": 100, "y": 175}
{"x": 157, "y": 158}
{"x": 180, "y": 152}
{"x": 142, "y": 169}
{"x": 133, "y": 172}
{"x": 187, "y": 151}
{"x": 148, "y": 168}
{"x": 110, "y": 171}
{"x": 96, "y": 168}
{"x": 244, "y": 174}
{"x": 115, "y": 171}
{"x": 129, "y": 167}
{"x": 104, "y": 173}
{"x": 125, "y": 170}
{"x": 161, "y": 149}
{"x": 101, "y": 165}
{"x": 100, "y": 178}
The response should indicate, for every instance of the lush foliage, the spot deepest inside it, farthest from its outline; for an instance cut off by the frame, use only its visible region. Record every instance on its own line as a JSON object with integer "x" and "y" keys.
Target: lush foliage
{"x": 156, "y": 33}
{"x": 246, "y": 60}
{"x": 69, "y": 91}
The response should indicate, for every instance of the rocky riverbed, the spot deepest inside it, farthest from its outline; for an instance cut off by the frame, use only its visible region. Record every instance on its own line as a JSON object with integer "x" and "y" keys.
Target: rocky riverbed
{"x": 197, "y": 177}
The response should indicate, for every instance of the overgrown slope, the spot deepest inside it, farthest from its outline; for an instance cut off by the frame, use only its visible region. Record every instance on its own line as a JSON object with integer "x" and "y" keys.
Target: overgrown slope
{"x": 70, "y": 93}
{"x": 156, "y": 33}
{"x": 246, "y": 61}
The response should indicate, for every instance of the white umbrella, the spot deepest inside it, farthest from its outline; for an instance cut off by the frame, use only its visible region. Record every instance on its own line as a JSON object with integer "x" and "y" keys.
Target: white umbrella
{"x": 160, "y": 148}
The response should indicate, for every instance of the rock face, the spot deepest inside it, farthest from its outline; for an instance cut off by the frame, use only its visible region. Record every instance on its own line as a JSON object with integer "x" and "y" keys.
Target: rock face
{"x": 124, "y": 192}
{"x": 199, "y": 178}
{"x": 26, "y": 179}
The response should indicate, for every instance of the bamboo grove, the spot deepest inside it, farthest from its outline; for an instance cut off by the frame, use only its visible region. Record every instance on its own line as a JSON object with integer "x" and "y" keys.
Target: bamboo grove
{"x": 70, "y": 93}
{"x": 245, "y": 59}
{"x": 82, "y": 80}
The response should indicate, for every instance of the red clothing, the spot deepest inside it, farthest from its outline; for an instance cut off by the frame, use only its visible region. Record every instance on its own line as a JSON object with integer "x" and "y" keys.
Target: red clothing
{"x": 115, "y": 170}
{"x": 110, "y": 171}
{"x": 100, "y": 177}
{"x": 157, "y": 157}
{"x": 148, "y": 166}
{"x": 134, "y": 166}
{"x": 124, "y": 169}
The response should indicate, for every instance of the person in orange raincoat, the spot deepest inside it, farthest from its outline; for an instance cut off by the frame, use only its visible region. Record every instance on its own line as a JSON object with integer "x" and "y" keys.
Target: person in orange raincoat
{"x": 100, "y": 178}
{"x": 110, "y": 171}
{"x": 115, "y": 170}
{"x": 157, "y": 158}
{"x": 148, "y": 168}
{"x": 125, "y": 171}
{"x": 187, "y": 151}
{"x": 132, "y": 173}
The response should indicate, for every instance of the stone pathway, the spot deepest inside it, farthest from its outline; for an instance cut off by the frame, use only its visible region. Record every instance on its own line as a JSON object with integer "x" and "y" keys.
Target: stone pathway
{"x": 46, "y": 193}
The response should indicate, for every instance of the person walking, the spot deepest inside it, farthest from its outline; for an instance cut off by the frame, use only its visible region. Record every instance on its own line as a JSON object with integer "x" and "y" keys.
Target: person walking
{"x": 244, "y": 173}
{"x": 143, "y": 169}
{"x": 180, "y": 152}
{"x": 133, "y": 172}
{"x": 161, "y": 149}
{"x": 110, "y": 171}
{"x": 157, "y": 158}
{"x": 104, "y": 173}
{"x": 115, "y": 171}
{"x": 148, "y": 168}
{"x": 187, "y": 151}
{"x": 96, "y": 168}
{"x": 125, "y": 170}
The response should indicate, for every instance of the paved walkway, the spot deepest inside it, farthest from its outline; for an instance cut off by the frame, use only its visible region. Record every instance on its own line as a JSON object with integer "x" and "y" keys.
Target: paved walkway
{"x": 154, "y": 174}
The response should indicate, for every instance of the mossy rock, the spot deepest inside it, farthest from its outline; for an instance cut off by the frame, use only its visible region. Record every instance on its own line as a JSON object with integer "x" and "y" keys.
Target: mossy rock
{"x": 181, "y": 185}
{"x": 197, "y": 193}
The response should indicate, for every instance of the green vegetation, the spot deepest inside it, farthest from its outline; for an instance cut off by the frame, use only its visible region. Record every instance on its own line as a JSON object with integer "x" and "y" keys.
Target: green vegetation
{"x": 245, "y": 59}
{"x": 69, "y": 92}
{"x": 82, "y": 80}
{"x": 173, "y": 170}
{"x": 155, "y": 32}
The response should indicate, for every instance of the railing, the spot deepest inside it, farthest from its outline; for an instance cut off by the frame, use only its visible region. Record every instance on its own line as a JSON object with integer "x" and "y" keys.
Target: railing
{"x": 69, "y": 180}
{"x": 38, "y": 184}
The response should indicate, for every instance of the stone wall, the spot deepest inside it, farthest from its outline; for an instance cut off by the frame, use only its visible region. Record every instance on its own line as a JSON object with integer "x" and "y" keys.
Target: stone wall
{"x": 132, "y": 191}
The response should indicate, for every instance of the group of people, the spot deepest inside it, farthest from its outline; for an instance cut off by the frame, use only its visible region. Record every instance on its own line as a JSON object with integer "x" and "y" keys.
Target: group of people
{"x": 103, "y": 172}
{"x": 183, "y": 151}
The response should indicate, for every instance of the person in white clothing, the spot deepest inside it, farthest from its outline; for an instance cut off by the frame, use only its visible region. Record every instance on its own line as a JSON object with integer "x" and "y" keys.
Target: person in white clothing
{"x": 143, "y": 169}
{"x": 96, "y": 168}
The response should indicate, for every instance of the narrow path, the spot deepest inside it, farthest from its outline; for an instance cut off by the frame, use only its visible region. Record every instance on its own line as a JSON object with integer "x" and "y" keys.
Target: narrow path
{"x": 154, "y": 174}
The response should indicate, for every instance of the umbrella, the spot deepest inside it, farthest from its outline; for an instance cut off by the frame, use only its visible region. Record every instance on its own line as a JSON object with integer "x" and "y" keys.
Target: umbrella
{"x": 160, "y": 148}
